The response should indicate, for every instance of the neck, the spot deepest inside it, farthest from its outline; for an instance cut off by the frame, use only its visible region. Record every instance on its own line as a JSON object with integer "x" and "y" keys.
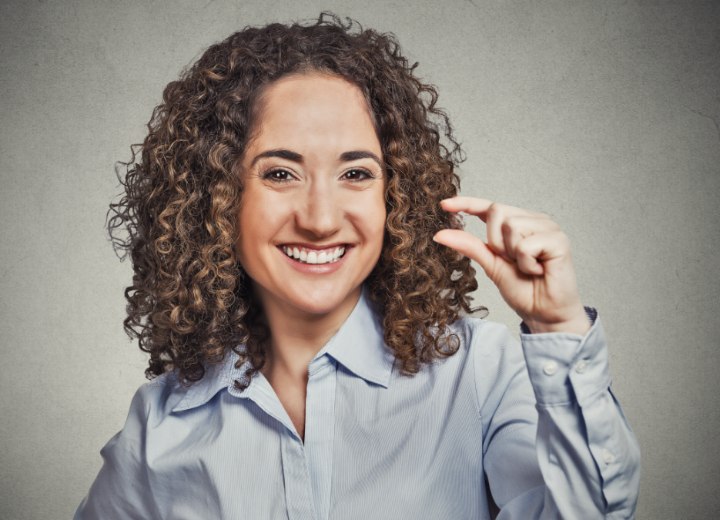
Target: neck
{"x": 296, "y": 337}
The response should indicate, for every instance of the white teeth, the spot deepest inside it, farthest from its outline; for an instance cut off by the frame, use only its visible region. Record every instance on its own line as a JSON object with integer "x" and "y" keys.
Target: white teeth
{"x": 314, "y": 257}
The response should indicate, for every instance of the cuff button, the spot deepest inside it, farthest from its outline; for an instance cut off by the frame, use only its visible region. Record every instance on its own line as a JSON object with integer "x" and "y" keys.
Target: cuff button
{"x": 608, "y": 456}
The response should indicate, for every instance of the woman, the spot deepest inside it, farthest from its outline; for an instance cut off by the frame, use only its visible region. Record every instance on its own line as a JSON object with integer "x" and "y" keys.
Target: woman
{"x": 302, "y": 284}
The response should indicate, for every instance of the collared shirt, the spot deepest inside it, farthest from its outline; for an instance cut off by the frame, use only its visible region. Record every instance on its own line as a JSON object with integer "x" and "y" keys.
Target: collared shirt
{"x": 536, "y": 421}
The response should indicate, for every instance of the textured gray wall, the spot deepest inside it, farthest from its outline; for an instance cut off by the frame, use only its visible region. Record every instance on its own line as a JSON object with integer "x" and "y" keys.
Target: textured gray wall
{"x": 604, "y": 114}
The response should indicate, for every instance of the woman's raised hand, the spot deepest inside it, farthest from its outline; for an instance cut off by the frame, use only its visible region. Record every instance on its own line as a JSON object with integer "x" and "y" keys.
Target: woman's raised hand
{"x": 527, "y": 257}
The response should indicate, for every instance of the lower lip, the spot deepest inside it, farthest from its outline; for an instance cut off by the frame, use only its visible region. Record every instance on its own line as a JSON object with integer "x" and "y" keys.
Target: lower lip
{"x": 316, "y": 268}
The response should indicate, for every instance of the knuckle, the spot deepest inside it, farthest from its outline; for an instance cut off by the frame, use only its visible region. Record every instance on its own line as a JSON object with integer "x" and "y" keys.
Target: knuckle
{"x": 564, "y": 239}
{"x": 549, "y": 220}
{"x": 494, "y": 210}
{"x": 521, "y": 249}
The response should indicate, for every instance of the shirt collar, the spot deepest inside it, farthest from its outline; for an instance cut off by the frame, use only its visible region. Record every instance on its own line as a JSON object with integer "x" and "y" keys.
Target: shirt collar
{"x": 217, "y": 377}
{"x": 358, "y": 345}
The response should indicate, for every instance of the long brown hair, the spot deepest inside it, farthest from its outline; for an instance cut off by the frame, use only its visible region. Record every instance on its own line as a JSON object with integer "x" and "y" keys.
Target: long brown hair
{"x": 189, "y": 302}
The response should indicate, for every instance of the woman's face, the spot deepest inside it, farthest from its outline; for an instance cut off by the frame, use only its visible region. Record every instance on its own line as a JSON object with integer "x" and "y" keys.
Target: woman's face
{"x": 312, "y": 215}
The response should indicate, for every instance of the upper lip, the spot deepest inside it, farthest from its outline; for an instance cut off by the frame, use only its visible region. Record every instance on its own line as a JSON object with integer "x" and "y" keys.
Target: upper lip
{"x": 314, "y": 247}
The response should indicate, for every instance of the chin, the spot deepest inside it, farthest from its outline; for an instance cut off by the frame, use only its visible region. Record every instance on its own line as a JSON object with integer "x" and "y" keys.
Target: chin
{"x": 319, "y": 301}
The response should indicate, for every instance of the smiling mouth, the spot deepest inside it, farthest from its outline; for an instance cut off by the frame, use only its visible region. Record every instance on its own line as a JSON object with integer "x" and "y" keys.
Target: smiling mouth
{"x": 314, "y": 256}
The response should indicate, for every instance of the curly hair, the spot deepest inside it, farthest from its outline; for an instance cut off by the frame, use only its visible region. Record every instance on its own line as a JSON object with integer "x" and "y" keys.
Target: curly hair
{"x": 190, "y": 301}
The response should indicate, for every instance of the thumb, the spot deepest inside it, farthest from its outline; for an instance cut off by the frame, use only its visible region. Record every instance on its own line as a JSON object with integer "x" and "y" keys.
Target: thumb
{"x": 469, "y": 245}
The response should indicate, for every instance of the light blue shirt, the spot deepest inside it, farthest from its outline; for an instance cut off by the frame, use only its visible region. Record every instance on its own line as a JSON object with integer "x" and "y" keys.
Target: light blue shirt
{"x": 382, "y": 445}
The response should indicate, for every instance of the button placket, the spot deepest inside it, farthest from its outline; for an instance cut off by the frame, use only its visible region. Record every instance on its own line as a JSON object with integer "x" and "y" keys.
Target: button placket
{"x": 298, "y": 490}
{"x": 319, "y": 430}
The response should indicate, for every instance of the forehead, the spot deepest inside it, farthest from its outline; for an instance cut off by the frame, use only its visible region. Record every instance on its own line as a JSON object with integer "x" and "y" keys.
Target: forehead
{"x": 313, "y": 109}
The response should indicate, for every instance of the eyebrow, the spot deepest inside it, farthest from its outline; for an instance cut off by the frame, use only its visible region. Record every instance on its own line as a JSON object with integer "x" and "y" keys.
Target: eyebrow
{"x": 352, "y": 155}
{"x": 360, "y": 154}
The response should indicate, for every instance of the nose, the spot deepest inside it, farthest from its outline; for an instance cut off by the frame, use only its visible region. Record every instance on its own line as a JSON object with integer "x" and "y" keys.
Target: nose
{"x": 320, "y": 214}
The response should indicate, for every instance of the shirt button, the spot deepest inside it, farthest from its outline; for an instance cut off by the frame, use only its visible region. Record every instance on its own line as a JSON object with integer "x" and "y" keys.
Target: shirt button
{"x": 550, "y": 368}
{"x": 608, "y": 456}
{"x": 580, "y": 366}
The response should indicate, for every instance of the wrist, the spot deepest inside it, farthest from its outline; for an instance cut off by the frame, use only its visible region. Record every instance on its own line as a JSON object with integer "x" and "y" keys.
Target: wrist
{"x": 579, "y": 323}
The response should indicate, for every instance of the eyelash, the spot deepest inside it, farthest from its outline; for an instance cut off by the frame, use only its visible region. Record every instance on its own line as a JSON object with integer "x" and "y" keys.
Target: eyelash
{"x": 270, "y": 175}
{"x": 365, "y": 173}
{"x": 287, "y": 176}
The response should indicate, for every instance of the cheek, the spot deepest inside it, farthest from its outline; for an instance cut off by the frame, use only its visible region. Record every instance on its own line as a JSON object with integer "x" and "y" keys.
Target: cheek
{"x": 251, "y": 224}
{"x": 261, "y": 217}
{"x": 376, "y": 218}
{"x": 258, "y": 211}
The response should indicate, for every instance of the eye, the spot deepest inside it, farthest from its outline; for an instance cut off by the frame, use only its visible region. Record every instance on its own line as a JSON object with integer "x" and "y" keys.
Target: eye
{"x": 357, "y": 175}
{"x": 277, "y": 176}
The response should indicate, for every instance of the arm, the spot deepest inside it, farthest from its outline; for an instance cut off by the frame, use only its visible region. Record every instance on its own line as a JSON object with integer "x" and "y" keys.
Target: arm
{"x": 121, "y": 489}
{"x": 580, "y": 460}
{"x": 573, "y": 399}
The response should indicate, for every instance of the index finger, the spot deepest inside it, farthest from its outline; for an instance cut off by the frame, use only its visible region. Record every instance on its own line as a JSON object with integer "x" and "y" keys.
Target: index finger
{"x": 473, "y": 205}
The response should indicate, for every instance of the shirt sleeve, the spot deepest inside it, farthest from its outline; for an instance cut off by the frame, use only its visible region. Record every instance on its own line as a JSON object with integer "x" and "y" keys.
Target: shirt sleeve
{"x": 121, "y": 489}
{"x": 556, "y": 442}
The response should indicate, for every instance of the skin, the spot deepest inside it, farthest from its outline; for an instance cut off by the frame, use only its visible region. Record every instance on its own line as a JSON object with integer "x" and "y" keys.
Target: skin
{"x": 528, "y": 258}
{"x": 326, "y": 189}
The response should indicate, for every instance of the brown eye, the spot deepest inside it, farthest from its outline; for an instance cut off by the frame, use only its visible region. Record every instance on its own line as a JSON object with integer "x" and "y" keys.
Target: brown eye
{"x": 357, "y": 175}
{"x": 277, "y": 176}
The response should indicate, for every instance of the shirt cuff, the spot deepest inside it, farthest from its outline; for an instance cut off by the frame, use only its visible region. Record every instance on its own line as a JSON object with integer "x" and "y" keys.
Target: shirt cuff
{"x": 565, "y": 367}
{"x": 589, "y": 311}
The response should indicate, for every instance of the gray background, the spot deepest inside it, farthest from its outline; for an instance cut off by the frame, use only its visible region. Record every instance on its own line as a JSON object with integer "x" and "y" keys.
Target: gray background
{"x": 603, "y": 114}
